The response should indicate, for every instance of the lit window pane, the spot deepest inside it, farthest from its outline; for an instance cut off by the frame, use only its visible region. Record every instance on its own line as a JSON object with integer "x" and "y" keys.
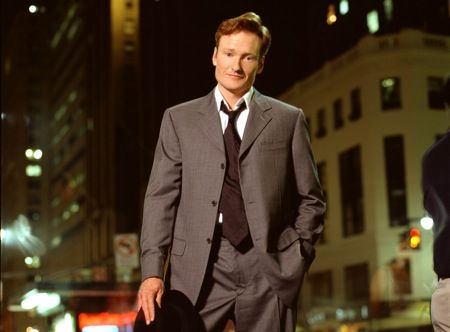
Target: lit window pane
{"x": 390, "y": 93}
{"x": 33, "y": 170}
{"x": 343, "y": 7}
{"x": 372, "y": 21}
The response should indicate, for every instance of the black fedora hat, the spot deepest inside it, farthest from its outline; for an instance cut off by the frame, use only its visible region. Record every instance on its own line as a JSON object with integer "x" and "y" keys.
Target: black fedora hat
{"x": 177, "y": 314}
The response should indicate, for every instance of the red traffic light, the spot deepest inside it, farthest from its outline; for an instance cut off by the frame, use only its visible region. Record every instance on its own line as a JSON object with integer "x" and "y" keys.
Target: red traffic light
{"x": 414, "y": 238}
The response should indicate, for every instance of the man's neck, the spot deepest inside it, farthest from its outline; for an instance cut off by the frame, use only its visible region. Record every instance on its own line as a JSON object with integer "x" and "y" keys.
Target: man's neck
{"x": 230, "y": 97}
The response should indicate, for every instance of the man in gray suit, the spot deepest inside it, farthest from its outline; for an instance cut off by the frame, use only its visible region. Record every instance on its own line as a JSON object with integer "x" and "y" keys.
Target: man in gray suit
{"x": 233, "y": 206}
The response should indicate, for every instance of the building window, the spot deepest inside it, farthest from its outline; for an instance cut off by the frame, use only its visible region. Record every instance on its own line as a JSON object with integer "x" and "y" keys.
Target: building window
{"x": 33, "y": 184}
{"x": 357, "y": 283}
{"x": 322, "y": 172}
{"x": 33, "y": 200}
{"x": 373, "y": 21}
{"x": 355, "y": 104}
{"x": 394, "y": 159}
{"x": 321, "y": 288}
{"x": 435, "y": 93}
{"x": 321, "y": 124}
{"x": 337, "y": 114}
{"x": 350, "y": 175}
{"x": 390, "y": 93}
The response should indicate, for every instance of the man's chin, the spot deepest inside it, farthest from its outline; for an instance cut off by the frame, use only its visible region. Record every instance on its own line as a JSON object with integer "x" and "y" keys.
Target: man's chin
{"x": 236, "y": 89}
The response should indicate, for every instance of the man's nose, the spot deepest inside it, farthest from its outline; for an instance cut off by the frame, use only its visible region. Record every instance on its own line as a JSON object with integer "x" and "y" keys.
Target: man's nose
{"x": 236, "y": 66}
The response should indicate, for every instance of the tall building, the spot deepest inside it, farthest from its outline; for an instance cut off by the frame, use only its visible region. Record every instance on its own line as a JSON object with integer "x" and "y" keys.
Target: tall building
{"x": 94, "y": 149}
{"x": 372, "y": 113}
{"x": 24, "y": 204}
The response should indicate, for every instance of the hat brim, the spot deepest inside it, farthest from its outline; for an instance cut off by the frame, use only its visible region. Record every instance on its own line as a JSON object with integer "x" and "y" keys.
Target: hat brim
{"x": 177, "y": 313}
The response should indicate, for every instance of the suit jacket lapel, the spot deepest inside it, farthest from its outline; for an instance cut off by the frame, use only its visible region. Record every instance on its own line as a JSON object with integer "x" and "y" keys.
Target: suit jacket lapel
{"x": 256, "y": 122}
{"x": 210, "y": 121}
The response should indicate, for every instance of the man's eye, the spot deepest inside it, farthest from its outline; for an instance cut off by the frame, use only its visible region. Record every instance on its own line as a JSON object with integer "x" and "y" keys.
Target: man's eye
{"x": 250, "y": 58}
{"x": 228, "y": 54}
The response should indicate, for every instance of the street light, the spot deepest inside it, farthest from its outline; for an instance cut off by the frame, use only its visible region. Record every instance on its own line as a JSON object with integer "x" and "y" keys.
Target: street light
{"x": 20, "y": 233}
{"x": 426, "y": 223}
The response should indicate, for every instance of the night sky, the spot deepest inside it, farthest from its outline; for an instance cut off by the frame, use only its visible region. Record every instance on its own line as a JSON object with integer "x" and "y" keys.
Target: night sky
{"x": 183, "y": 36}
{"x": 298, "y": 43}
{"x": 296, "y": 27}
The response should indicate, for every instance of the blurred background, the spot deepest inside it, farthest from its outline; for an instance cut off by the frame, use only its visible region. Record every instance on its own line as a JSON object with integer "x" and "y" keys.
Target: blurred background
{"x": 84, "y": 84}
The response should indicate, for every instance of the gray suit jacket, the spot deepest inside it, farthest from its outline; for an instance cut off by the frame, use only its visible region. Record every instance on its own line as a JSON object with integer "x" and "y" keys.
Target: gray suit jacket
{"x": 281, "y": 191}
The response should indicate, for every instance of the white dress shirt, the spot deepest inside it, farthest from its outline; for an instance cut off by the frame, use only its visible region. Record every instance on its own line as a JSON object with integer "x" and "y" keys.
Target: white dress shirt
{"x": 242, "y": 118}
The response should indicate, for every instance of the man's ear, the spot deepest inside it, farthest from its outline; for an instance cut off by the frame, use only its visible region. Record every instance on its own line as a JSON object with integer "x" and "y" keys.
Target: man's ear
{"x": 214, "y": 56}
{"x": 261, "y": 65}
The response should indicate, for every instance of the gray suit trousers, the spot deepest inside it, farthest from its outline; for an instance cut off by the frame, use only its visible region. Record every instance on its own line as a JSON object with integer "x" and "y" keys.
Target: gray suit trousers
{"x": 440, "y": 306}
{"x": 236, "y": 289}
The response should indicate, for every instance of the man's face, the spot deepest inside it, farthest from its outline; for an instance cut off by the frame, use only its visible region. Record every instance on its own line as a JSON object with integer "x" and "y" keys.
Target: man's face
{"x": 237, "y": 61}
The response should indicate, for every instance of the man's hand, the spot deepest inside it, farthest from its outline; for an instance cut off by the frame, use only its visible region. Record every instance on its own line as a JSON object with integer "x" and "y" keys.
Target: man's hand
{"x": 151, "y": 291}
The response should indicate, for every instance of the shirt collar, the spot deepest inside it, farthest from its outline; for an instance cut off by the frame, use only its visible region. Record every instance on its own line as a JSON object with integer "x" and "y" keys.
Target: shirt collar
{"x": 247, "y": 97}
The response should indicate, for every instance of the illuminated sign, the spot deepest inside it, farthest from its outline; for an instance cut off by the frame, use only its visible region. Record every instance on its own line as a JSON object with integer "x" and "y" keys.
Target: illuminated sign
{"x": 106, "y": 318}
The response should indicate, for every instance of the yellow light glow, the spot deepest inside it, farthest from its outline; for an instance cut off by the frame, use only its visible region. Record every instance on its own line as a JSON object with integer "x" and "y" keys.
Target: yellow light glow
{"x": 414, "y": 242}
{"x": 31, "y": 329}
{"x": 331, "y": 15}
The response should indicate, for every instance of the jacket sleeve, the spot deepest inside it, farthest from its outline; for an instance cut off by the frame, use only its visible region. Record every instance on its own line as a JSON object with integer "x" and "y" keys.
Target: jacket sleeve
{"x": 311, "y": 202}
{"x": 161, "y": 201}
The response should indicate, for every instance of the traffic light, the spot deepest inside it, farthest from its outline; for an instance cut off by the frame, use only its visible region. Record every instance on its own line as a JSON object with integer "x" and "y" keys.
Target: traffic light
{"x": 414, "y": 238}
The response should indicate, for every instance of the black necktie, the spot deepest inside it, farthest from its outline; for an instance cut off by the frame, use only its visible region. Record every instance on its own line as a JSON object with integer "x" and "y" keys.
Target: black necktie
{"x": 235, "y": 225}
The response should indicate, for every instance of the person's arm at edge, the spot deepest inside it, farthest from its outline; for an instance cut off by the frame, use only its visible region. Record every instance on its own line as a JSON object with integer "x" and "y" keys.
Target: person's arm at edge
{"x": 160, "y": 208}
{"x": 311, "y": 209}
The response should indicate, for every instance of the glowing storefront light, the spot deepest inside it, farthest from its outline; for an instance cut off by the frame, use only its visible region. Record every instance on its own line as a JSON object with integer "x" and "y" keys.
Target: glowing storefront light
{"x": 32, "y": 299}
{"x": 101, "y": 328}
{"x": 31, "y": 329}
{"x": 5, "y": 234}
{"x": 110, "y": 322}
{"x": 42, "y": 302}
{"x": 20, "y": 234}
{"x": 64, "y": 324}
{"x": 52, "y": 301}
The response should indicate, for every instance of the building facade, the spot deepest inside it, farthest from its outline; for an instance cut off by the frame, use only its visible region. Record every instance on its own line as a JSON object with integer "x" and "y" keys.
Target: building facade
{"x": 372, "y": 113}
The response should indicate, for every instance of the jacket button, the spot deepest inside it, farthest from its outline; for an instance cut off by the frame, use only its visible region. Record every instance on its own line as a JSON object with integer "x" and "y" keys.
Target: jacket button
{"x": 208, "y": 240}
{"x": 222, "y": 166}
{"x": 214, "y": 203}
